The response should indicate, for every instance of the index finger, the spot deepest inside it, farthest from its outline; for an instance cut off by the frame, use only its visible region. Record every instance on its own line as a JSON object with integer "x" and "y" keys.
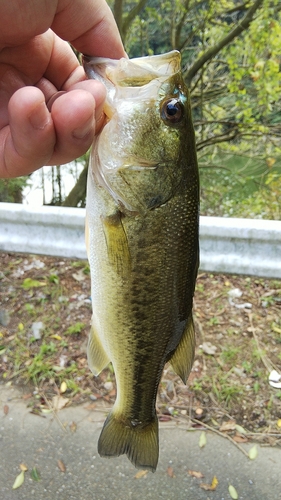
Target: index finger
{"x": 90, "y": 27}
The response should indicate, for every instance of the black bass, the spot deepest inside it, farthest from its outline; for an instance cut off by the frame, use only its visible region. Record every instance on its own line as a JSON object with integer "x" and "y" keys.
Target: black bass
{"x": 142, "y": 240}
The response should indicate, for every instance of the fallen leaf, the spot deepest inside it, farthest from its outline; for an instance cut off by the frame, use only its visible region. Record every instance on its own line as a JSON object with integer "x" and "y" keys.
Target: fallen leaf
{"x": 35, "y": 474}
{"x": 202, "y": 439}
{"x": 170, "y": 472}
{"x": 91, "y": 406}
{"x": 55, "y": 336}
{"x": 73, "y": 426}
{"x": 59, "y": 402}
{"x": 228, "y": 426}
{"x": 239, "y": 439}
{"x": 27, "y": 396}
{"x": 276, "y": 329}
{"x": 210, "y": 487}
{"x": 19, "y": 480}
{"x": 79, "y": 276}
{"x": 253, "y": 452}
{"x": 6, "y": 409}
{"x": 23, "y": 467}
{"x": 240, "y": 429}
{"x": 164, "y": 418}
{"x": 195, "y": 473}
{"x": 63, "y": 387}
{"x": 140, "y": 474}
{"x": 279, "y": 422}
{"x": 232, "y": 491}
{"x": 61, "y": 466}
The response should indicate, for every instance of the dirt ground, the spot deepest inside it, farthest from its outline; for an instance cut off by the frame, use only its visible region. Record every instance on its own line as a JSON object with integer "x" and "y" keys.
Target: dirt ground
{"x": 45, "y": 312}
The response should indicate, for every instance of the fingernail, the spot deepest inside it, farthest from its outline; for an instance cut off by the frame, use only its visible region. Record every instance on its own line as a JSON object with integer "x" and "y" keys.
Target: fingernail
{"x": 40, "y": 117}
{"x": 82, "y": 132}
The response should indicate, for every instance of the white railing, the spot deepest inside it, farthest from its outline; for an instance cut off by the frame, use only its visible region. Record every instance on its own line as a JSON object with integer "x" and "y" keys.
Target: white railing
{"x": 228, "y": 245}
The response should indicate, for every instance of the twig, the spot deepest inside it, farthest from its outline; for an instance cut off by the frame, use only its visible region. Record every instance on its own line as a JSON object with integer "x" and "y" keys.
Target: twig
{"x": 53, "y": 410}
{"x": 266, "y": 361}
{"x": 221, "y": 434}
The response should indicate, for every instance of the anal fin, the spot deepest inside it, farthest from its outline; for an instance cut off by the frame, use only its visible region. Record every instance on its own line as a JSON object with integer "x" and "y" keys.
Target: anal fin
{"x": 97, "y": 357}
{"x": 182, "y": 359}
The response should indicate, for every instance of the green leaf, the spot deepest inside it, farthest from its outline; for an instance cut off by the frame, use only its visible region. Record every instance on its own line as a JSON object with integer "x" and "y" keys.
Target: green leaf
{"x": 202, "y": 439}
{"x": 253, "y": 452}
{"x": 232, "y": 491}
{"x": 30, "y": 283}
{"x": 240, "y": 429}
{"x": 19, "y": 480}
{"x": 35, "y": 474}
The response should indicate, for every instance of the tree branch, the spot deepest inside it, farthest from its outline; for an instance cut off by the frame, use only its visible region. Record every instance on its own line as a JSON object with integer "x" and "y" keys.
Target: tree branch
{"x": 130, "y": 17}
{"x": 212, "y": 51}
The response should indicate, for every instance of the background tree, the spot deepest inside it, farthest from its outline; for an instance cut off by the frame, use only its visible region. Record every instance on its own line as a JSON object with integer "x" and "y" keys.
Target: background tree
{"x": 231, "y": 63}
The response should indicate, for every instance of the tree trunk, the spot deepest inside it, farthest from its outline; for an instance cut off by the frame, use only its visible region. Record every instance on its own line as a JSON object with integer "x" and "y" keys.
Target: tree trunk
{"x": 77, "y": 195}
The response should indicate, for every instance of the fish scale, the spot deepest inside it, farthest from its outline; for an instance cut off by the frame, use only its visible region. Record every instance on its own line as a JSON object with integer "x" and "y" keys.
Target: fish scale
{"x": 142, "y": 241}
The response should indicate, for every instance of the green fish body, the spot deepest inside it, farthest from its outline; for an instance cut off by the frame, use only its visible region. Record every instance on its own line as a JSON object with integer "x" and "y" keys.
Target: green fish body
{"x": 142, "y": 240}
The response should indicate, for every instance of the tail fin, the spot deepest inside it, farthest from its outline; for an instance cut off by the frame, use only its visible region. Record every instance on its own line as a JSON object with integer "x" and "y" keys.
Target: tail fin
{"x": 140, "y": 443}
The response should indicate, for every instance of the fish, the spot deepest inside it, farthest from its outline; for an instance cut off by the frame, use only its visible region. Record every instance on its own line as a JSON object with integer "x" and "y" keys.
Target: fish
{"x": 142, "y": 216}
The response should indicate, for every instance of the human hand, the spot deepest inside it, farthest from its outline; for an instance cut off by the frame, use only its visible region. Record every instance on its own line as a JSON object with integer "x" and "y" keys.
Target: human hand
{"x": 49, "y": 111}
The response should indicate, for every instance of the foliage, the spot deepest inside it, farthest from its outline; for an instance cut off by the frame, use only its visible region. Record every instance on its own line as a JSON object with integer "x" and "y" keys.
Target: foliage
{"x": 231, "y": 63}
{"x": 11, "y": 189}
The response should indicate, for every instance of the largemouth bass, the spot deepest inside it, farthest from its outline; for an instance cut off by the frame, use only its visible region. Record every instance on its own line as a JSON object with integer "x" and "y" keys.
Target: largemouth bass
{"x": 142, "y": 240}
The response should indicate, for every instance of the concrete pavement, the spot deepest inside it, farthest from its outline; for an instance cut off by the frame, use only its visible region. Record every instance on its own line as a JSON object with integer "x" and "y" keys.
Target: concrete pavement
{"x": 41, "y": 442}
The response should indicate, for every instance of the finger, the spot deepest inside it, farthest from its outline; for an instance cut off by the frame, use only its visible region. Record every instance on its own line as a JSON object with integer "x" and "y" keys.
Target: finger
{"x": 28, "y": 142}
{"x": 37, "y": 137}
{"x": 76, "y": 115}
{"x": 90, "y": 26}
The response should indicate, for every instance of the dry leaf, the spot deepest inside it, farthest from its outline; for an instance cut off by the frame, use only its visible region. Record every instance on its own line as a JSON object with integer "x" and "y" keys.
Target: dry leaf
{"x": 6, "y": 409}
{"x": 27, "y": 396}
{"x": 63, "y": 387}
{"x": 61, "y": 466}
{"x": 232, "y": 491}
{"x": 23, "y": 467}
{"x": 239, "y": 439}
{"x": 279, "y": 422}
{"x": 210, "y": 487}
{"x": 165, "y": 418}
{"x": 253, "y": 452}
{"x": 195, "y": 473}
{"x": 19, "y": 480}
{"x": 59, "y": 402}
{"x": 73, "y": 426}
{"x": 170, "y": 472}
{"x": 202, "y": 439}
{"x": 140, "y": 474}
{"x": 230, "y": 425}
{"x": 79, "y": 276}
{"x": 91, "y": 406}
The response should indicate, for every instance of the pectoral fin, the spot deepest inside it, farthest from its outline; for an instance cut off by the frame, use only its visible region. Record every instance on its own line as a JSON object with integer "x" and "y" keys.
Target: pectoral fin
{"x": 97, "y": 357}
{"x": 117, "y": 243}
{"x": 182, "y": 359}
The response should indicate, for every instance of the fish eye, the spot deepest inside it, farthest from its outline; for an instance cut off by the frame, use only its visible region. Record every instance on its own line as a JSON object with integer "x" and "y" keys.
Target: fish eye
{"x": 172, "y": 111}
